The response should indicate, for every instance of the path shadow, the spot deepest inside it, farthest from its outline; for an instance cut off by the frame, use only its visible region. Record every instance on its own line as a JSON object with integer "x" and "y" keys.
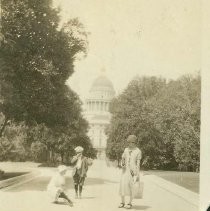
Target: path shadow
{"x": 40, "y": 184}
{"x": 62, "y": 203}
{"x": 140, "y": 207}
{"x": 88, "y": 197}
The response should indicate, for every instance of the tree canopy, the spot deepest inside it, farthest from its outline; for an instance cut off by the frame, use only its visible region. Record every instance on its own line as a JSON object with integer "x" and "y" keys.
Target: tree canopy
{"x": 165, "y": 116}
{"x": 38, "y": 59}
{"x": 37, "y": 56}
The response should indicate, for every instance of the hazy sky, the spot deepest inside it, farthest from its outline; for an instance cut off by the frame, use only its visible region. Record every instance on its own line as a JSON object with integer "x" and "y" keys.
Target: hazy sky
{"x": 136, "y": 37}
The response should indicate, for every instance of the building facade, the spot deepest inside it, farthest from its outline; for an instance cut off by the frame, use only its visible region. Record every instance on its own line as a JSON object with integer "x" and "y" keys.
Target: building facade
{"x": 97, "y": 112}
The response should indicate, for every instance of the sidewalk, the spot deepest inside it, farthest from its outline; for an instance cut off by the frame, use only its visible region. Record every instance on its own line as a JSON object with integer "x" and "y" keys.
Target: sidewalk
{"x": 100, "y": 194}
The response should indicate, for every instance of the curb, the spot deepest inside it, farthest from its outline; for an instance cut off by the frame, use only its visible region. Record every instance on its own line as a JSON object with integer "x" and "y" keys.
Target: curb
{"x": 187, "y": 195}
{"x": 19, "y": 179}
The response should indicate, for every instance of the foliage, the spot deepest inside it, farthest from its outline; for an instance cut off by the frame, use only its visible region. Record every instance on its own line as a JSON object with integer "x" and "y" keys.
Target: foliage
{"x": 164, "y": 116}
{"x": 130, "y": 115}
{"x": 38, "y": 151}
{"x": 13, "y": 144}
{"x": 37, "y": 57}
{"x": 177, "y": 116}
{"x": 38, "y": 60}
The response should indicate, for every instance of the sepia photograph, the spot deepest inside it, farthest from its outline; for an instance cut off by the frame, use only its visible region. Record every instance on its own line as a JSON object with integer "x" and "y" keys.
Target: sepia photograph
{"x": 102, "y": 106}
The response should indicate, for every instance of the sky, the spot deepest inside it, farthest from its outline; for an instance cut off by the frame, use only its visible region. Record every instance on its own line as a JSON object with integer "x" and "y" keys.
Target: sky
{"x": 135, "y": 37}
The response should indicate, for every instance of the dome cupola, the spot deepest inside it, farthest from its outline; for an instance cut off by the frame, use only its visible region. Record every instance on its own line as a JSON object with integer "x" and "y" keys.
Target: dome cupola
{"x": 102, "y": 87}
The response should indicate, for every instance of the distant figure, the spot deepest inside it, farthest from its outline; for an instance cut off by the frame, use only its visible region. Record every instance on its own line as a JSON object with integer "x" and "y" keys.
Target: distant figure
{"x": 80, "y": 169}
{"x": 130, "y": 171}
{"x": 57, "y": 186}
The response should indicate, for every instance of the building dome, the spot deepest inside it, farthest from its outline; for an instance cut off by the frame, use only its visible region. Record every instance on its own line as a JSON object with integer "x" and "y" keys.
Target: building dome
{"x": 102, "y": 83}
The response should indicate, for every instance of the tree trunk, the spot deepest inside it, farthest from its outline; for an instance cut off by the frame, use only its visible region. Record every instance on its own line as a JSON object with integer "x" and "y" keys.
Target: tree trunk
{"x": 53, "y": 157}
{"x": 62, "y": 156}
{"x": 50, "y": 156}
{"x": 3, "y": 126}
{"x": 2, "y": 130}
{"x": 118, "y": 163}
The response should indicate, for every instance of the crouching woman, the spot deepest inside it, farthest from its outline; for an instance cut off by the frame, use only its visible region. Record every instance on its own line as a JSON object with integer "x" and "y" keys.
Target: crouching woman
{"x": 57, "y": 186}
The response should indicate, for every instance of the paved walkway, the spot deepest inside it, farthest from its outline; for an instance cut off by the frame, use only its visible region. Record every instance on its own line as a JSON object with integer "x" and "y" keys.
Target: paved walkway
{"x": 100, "y": 194}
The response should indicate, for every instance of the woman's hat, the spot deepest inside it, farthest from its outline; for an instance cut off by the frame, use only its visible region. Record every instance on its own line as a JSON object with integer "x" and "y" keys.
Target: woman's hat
{"x": 79, "y": 149}
{"x": 62, "y": 168}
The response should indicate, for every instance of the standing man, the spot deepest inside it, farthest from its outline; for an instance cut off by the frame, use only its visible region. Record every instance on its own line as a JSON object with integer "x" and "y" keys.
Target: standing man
{"x": 80, "y": 169}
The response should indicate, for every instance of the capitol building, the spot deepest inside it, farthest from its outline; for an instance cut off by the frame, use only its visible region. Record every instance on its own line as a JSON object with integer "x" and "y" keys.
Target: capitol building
{"x": 97, "y": 113}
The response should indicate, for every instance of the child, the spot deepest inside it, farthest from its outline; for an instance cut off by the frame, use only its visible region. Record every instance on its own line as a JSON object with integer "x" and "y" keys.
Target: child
{"x": 80, "y": 169}
{"x": 56, "y": 186}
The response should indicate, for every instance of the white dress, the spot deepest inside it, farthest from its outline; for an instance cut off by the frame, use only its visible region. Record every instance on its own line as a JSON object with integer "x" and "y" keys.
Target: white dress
{"x": 56, "y": 186}
{"x": 130, "y": 159}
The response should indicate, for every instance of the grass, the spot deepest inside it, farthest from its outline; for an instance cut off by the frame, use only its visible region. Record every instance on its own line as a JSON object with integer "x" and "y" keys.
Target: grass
{"x": 8, "y": 175}
{"x": 188, "y": 180}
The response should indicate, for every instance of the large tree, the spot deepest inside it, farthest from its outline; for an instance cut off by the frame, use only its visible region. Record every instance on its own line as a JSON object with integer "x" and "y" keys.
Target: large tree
{"x": 164, "y": 116}
{"x": 176, "y": 115}
{"x": 37, "y": 56}
{"x": 130, "y": 116}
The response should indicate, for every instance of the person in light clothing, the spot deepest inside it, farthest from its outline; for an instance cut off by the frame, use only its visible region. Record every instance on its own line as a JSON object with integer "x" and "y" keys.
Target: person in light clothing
{"x": 130, "y": 171}
{"x": 57, "y": 186}
{"x": 79, "y": 173}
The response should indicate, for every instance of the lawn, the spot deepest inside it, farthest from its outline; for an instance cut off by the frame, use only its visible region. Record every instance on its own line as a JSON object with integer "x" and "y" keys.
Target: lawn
{"x": 8, "y": 175}
{"x": 188, "y": 180}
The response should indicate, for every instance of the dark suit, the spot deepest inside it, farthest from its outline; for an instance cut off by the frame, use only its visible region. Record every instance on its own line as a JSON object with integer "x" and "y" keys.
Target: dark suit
{"x": 80, "y": 174}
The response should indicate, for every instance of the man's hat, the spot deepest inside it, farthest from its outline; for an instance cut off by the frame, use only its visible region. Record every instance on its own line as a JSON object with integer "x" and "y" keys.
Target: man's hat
{"x": 79, "y": 149}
